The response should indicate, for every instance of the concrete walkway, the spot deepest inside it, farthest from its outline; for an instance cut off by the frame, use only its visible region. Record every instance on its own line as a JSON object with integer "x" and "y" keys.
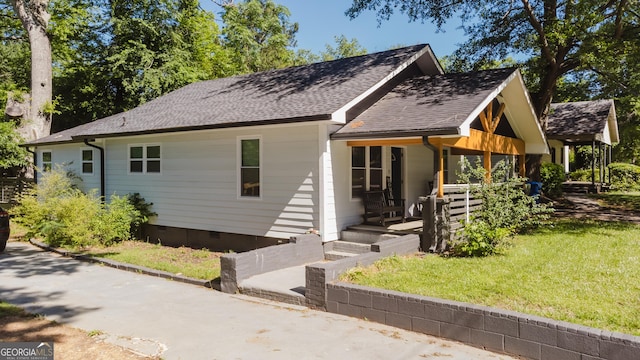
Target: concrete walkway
{"x": 174, "y": 320}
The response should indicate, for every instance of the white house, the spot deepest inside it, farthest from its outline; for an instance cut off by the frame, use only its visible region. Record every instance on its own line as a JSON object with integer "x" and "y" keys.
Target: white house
{"x": 248, "y": 161}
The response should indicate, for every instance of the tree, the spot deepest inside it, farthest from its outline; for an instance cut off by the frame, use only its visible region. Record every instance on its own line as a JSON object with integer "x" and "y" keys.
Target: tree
{"x": 34, "y": 16}
{"x": 558, "y": 38}
{"x": 259, "y": 35}
{"x": 11, "y": 155}
{"x": 128, "y": 52}
{"x": 344, "y": 48}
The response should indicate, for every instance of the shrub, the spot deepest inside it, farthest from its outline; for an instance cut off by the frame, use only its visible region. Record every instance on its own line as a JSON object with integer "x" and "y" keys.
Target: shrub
{"x": 506, "y": 210}
{"x": 64, "y": 216}
{"x": 583, "y": 175}
{"x": 625, "y": 177}
{"x": 552, "y": 177}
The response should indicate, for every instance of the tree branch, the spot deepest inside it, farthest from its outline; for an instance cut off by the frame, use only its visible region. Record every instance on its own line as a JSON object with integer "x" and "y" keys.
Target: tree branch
{"x": 544, "y": 43}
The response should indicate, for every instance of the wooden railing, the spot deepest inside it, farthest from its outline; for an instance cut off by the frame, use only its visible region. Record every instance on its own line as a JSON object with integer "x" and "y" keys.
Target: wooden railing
{"x": 10, "y": 188}
{"x": 462, "y": 205}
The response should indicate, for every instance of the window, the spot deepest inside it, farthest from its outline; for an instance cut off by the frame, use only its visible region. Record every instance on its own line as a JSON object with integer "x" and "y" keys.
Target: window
{"x": 87, "y": 161}
{"x": 144, "y": 159}
{"x": 250, "y": 167}
{"x": 366, "y": 169}
{"x": 46, "y": 161}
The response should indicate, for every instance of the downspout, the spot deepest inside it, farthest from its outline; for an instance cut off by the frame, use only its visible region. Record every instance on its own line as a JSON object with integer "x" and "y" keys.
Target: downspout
{"x": 102, "y": 180}
{"x": 35, "y": 164}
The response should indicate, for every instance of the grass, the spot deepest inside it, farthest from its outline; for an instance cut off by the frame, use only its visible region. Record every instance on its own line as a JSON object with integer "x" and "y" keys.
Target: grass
{"x": 582, "y": 272}
{"x": 622, "y": 200}
{"x": 198, "y": 264}
{"x": 7, "y": 310}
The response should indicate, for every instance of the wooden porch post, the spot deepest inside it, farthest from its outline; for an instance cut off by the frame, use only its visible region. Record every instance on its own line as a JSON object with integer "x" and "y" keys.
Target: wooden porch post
{"x": 523, "y": 165}
{"x": 593, "y": 162}
{"x": 440, "y": 171}
{"x": 610, "y": 161}
{"x": 487, "y": 165}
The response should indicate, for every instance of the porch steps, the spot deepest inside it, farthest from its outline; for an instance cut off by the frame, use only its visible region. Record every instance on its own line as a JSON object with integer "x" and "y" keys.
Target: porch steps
{"x": 365, "y": 235}
{"x": 579, "y": 187}
{"x": 340, "y": 249}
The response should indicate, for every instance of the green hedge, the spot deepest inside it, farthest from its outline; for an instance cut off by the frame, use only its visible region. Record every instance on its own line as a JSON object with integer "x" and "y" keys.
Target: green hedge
{"x": 552, "y": 177}
{"x": 624, "y": 176}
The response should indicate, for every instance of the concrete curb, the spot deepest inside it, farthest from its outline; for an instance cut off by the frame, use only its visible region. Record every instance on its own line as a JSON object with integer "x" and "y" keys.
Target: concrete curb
{"x": 128, "y": 267}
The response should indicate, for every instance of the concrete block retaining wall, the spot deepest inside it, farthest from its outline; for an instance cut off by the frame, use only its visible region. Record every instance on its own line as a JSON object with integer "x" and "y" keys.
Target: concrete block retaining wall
{"x": 496, "y": 330}
{"x": 318, "y": 276}
{"x": 234, "y": 268}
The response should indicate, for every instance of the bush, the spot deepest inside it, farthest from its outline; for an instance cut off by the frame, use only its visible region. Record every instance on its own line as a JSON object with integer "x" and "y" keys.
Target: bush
{"x": 552, "y": 177}
{"x": 624, "y": 177}
{"x": 583, "y": 175}
{"x": 506, "y": 210}
{"x": 64, "y": 216}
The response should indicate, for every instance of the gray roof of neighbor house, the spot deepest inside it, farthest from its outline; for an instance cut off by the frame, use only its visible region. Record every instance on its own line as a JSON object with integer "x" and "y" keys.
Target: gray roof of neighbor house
{"x": 303, "y": 93}
{"x": 582, "y": 121}
{"x": 426, "y": 105}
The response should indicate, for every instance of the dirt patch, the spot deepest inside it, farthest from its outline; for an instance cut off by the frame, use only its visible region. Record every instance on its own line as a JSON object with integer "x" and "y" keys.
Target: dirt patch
{"x": 69, "y": 343}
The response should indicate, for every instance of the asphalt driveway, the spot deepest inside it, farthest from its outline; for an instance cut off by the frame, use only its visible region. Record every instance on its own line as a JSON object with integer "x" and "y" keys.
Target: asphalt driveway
{"x": 173, "y": 320}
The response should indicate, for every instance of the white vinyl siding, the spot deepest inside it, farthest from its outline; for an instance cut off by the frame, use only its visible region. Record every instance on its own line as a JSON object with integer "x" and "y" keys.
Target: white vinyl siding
{"x": 198, "y": 185}
{"x": 69, "y": 158}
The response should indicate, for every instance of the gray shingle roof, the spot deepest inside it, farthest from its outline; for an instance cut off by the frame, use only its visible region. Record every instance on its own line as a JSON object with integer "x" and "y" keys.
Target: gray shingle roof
{"x": 311, "y": 92}
{"x": 426, "y": 105}
{"x": 578, "y": 119}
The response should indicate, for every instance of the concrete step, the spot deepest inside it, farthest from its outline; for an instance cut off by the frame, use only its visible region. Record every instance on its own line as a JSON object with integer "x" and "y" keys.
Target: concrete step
{"x": 351, "y": 247}
{"x": 332, "y": 255}
{"x": 364, "y": 237}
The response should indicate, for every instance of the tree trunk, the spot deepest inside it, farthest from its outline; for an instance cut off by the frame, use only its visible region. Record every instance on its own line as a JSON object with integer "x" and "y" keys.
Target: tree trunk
{"x": 35, "y": 19}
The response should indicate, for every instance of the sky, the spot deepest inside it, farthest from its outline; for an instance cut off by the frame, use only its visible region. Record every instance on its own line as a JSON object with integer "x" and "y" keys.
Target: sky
{"x": 320, "y": 21}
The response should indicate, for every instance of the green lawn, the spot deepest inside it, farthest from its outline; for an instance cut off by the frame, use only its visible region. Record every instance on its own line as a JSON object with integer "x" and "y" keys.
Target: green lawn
{"x": 197, "y": 264}
{"x": 577, "y": 271}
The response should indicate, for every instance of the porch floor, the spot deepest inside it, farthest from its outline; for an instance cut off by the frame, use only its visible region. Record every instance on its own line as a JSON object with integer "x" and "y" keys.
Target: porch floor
{"x": 411, "y": 226}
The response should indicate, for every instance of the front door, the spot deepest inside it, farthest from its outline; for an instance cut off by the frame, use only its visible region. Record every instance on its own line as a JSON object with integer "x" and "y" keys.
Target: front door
{"x": 396, "y": 172}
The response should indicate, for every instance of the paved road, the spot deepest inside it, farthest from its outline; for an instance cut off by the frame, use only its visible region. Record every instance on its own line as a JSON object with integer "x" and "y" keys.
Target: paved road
{"x": 179, "y": 321}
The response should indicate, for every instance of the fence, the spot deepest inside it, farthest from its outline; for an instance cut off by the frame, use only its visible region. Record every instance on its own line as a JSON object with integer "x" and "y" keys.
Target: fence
{"x": 11, "y": 187}
{"x": 462, "y": 204}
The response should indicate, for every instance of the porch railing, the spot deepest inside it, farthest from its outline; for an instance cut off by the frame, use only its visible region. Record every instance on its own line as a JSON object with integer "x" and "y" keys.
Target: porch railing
{"x": 462, "y": 204}
{"x": 444, "y": 217}
{"x": 10, "y": 188}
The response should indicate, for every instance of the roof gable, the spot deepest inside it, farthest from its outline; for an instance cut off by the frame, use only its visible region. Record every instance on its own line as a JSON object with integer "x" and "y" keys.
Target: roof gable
{"x": 583, "y": 121}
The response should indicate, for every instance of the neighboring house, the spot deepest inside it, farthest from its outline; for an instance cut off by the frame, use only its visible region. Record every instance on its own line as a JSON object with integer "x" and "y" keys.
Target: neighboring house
{"x": 590, "y": 123}
{"x": 248, "y": 161}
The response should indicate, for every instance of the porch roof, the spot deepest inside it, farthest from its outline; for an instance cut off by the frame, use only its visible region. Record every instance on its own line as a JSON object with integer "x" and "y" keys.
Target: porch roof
{"x": 446, "y": 105}
{"x": 583, "y": 122}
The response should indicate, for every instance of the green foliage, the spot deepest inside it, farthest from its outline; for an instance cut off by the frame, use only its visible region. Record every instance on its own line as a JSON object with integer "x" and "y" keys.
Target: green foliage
{"x": 58, "y": 211}
{"x": 581, "y": 175}
{"x": 479, "y": 239}
{"x": 144, "y": 212}
{"x": 506, "y": 210}
{"x": 552, "y": 176}
{"x": 259, "y": 35}
{"x": 625, "y": 177}
{"x": 344, "y": 48}
{"x": 11, "y": 155}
